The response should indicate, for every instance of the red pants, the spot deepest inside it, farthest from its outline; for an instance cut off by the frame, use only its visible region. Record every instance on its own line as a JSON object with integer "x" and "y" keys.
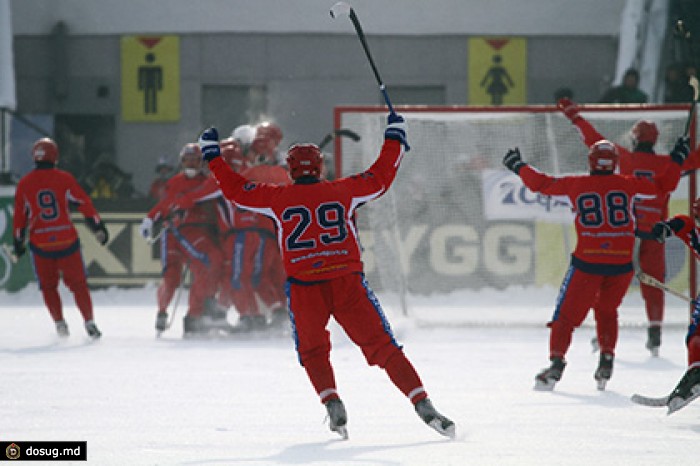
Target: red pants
{"x": 236, "y": 286}
{"x": 652, "y": 261}
{"x": 579, "y": 293}
{"x": 253, "y": 265}
{"x": 354, "y": 306}
{"x": 48, "y": 273}
{"x": 192, "y": 246}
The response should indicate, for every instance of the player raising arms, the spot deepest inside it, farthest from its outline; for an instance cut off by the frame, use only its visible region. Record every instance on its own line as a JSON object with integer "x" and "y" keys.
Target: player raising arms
{"x": 319, "y": 245}
{"x": 686, "y": 228}
{"x": 642, "y": 161}
{"x": 42, "y": 202}
{"x": 601, "y": 264}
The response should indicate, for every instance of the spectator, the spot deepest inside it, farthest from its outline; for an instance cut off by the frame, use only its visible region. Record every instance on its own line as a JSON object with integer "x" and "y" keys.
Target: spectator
{"x": 626, "y": 93}
{"x": 163, "y": 173}
{"x": 677, "y": 89}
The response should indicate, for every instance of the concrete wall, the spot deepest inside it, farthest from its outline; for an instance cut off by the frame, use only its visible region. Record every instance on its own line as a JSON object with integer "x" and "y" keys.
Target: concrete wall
{"x": 306, "y": 70}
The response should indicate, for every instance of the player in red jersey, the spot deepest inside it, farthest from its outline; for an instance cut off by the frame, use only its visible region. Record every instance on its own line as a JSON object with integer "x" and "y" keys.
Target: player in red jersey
{"x": 321, "y": 254}
{"x": 268, "y": 277}
{"x": 601, "y": 264}
{"x": 641, "y": 161}
{"x": 42, "y": 206}
{"x": 686, "y": 228}
{"x": 237, "y": 228}
{"x": 190, "y": 240}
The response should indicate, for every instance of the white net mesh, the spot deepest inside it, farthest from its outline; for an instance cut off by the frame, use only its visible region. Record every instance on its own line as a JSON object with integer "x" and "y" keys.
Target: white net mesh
{"x": 437, "y": 231}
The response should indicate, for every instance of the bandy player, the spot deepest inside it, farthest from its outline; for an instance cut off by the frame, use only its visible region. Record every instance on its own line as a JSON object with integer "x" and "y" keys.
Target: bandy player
{"x": 42, "y": 201}
{"x": 319, "y": 245}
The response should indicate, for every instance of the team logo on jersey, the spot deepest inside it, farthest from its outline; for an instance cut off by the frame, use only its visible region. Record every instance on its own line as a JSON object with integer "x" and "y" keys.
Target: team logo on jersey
{"x": 249, "y": 186}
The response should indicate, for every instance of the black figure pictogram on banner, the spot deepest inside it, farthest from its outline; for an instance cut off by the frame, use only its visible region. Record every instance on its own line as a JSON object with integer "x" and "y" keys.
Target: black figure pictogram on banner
{"x": 150, "y": 78}
{"x": 497, "y": 81}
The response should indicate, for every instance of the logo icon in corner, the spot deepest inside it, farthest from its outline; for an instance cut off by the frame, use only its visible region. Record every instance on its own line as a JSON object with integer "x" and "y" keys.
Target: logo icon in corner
{"x": 12, "y": 451}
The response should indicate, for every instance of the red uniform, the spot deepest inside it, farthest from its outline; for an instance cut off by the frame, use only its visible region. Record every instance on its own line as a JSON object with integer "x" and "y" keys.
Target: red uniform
{"x": 601, "y": 264}
{"x": 652, "y": 257}
{"x": 685, "y": 229}
{"x": 42, "y": 202}
{"x": 239, "y": 262}
{"x": 190, "y": 238}
{"x": 318, "y": 240}
{"x": 267, "y": 275}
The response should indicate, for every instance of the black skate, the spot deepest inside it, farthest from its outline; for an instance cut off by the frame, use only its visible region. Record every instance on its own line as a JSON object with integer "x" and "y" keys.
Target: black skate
{"x": 437, "y": 421}
{"x": 161, "y": 322}
{"x": 92, "y": 330}
{"x": 248, "y": 324}
{"x": 279, "y": 318}
{"x": 337, "y": 417}
{"x": 62, "y": 329}
{"x": 686, "y": 391}
{"x": 214, "y": 316}
{"x": 546, "y": 379}
{"x": 192, "y": 327}
{"x": 604, "y": 371}
{"x": 653, "y": 340}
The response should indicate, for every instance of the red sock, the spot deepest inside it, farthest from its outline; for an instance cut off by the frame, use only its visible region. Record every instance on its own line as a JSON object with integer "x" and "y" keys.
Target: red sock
{"x": 84, "y": 302}
{"x": 320, "y": 373}
{"x": 405, "y": 377}
{"x": 53, "y": 302}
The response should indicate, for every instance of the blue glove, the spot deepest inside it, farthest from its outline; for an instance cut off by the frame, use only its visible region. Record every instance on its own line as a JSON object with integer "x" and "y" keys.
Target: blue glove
{"x": 513, "y": 161}
{"x": 209, "y": 144}
{"x": 396, "y": 129}
{"x": 680, "y": 150}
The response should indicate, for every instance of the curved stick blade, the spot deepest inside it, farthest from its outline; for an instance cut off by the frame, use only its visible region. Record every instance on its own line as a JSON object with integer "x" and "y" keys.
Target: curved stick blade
{"x": 340, "y": 9}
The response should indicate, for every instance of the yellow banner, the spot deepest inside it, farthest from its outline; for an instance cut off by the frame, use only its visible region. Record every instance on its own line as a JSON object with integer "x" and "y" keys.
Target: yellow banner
{"x": 497, "y": 71}
{"x": 150, "y": 78}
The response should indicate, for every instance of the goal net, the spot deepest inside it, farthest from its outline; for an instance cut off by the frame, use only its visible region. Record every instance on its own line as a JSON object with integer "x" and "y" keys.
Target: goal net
{"x": 457, "y": 232}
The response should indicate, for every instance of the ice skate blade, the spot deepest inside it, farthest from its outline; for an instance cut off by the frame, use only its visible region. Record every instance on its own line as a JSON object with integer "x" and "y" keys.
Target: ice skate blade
{"x": 541, "y": 386}
{"x": 654, "y": 352}
{"x": 600, "y": 384}
{"x": 341, "y": 430}
{"x": 675, "y": 404}
{"x": 449, "y": 431}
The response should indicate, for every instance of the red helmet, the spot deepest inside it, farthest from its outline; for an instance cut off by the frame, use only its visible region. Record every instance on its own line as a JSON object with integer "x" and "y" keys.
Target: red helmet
{"x": 45, "y": 150}
{"x": 304, "y": 160}
{"x": 269, "y": 130}
{"x": 603, "y": 156}
{"x": 262, "y": 150}
{"x": 645, "y": 131}
{"x": 233, "y": 154}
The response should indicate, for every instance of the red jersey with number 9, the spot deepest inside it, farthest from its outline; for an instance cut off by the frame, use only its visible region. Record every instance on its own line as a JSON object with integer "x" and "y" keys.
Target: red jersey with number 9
{"x": 42, "y": 203}
{"x": 315, "y": 221}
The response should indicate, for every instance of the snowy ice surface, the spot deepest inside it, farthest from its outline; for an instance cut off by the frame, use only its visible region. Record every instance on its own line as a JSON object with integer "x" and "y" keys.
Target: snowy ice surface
{"x": 138, "y": 400}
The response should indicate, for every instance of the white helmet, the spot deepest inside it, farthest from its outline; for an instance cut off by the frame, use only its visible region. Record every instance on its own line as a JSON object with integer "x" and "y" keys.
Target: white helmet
{"x": 244, "y": 133}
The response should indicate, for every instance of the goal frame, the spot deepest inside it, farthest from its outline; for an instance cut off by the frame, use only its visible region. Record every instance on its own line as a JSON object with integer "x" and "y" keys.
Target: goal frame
{"x": 339, "y": 111}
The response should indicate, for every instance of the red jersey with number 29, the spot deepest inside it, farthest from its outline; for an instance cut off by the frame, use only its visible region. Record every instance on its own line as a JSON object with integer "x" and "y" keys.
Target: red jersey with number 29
{"x": 315, "y": 221}
{"x": 603, "y": 205}
{"x": 42, "y": 203}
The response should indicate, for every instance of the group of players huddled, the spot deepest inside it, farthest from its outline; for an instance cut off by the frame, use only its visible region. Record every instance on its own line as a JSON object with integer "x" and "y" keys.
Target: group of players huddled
{"x": 231, "y": 253}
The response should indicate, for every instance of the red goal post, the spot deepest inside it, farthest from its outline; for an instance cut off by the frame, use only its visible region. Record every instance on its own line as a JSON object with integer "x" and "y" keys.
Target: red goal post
{"x": 445, "y": 226}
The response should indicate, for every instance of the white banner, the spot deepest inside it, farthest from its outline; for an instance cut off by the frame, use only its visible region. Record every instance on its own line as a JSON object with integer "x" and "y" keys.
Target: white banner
{"x": 506, "y": 198}
{"x": 8, "y": 98}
